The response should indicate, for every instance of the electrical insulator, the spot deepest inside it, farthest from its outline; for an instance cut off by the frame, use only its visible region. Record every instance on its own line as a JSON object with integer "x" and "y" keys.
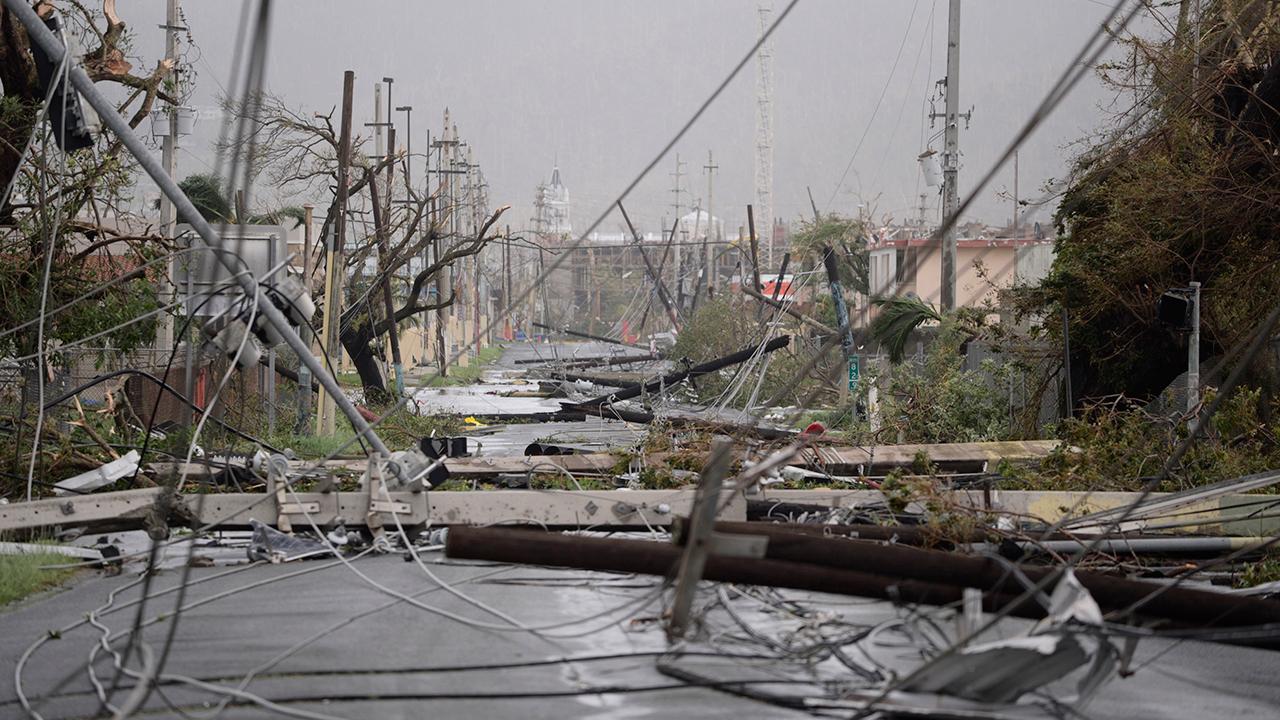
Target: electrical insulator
{"x": 228, "y": 335}
{"x": 292, "y": 298}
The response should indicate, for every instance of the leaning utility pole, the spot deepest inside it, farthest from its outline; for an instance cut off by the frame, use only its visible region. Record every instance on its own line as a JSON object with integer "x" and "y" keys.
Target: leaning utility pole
{"x": 337, "y": 263}
{"x": 951, "y": 157}
{"x": 654, "y": 273}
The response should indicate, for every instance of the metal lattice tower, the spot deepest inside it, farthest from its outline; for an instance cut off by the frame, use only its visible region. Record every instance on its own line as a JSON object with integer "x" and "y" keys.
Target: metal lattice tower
{"x": 764, "y": 134}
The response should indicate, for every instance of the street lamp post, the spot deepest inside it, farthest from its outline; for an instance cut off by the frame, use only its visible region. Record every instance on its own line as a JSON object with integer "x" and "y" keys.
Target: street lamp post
{"x": 408, "y": 146}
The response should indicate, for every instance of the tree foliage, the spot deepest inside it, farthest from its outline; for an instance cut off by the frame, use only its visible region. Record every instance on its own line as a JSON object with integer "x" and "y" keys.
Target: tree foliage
{"x": 1185, "y": 188}
{"x": 73, "y": 208}
{"x": 298, "y": 153}
{"x": 847, "y": 238}
{"x": 1115, "y": 444}
{"x": 205, "y": 192}
{"x": 936, "y": 400}
{"x": 898, "y": 318}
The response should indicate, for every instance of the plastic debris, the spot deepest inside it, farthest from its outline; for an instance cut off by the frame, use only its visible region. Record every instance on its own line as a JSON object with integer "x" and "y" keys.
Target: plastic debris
{"x": 108, "y": 474}
{"x": 274, "y": 546}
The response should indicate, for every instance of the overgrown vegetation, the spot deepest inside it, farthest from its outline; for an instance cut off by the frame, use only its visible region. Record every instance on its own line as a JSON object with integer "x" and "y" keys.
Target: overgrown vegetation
{"x": 1183, "y": 188}
{"x": 935, "y": 399}
{"x": 1119, "y": 446}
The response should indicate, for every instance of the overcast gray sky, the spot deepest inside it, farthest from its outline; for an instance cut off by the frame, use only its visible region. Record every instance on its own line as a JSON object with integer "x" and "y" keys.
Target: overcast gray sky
{"x": 600, "y": 86}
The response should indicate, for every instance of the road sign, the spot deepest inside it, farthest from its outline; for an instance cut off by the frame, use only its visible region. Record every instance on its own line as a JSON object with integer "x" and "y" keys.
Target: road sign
{"x": 855, "y": 370}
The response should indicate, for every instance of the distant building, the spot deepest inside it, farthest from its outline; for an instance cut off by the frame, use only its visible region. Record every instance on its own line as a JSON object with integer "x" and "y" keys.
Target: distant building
{"x": 553, "y": 208}
{"x": 905, "y": 263}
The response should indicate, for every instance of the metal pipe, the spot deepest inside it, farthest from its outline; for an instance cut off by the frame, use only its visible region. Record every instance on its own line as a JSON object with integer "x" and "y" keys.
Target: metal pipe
{"x": 1149, "y": 545}
{"x": 112, "y": 118}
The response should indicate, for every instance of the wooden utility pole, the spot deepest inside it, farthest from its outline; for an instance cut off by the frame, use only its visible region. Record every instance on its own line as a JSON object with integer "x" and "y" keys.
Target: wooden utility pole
{"x": 337, "y": 262}
{"x": 755, "y": 249}
{"x": 381, "y": 218}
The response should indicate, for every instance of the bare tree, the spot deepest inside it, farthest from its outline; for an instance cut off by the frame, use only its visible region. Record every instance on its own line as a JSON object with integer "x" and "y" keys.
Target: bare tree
{"x": 299, "y": 154}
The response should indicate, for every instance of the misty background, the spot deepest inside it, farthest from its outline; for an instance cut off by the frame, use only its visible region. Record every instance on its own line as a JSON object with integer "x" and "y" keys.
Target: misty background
{"x": 599, "y": 87}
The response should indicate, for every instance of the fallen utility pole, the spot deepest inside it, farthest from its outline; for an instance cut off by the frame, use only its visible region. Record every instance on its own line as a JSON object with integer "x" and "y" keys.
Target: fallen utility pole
{"x": 1185, "y": 606}
{"x": 589, "y": 361}
{"x": 721, "y": 426}
{"x": 782, "y": 566}
{"x": 651, "y": 558}
{"x": 653, "y": 273}
{"x": 617, "y": 379}
{"x": 766, "y": 300}
{"x": 588, "y": 336}
{"x": 145, "y": 508}
{"x": 696, "y": 371}
{"x": 107, "y": 111}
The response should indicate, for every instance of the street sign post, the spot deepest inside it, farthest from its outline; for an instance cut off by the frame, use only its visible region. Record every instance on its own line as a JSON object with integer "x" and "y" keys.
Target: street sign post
{"x": 855, "y": 370}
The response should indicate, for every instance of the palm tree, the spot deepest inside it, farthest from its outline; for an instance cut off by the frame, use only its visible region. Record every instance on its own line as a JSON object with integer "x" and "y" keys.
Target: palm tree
{"x": 898, "y": 318}
{"x": 205, "y": 192}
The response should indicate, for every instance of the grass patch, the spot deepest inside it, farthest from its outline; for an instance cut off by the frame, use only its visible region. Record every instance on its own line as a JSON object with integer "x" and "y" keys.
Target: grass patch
{"x": 20, "y": 575}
